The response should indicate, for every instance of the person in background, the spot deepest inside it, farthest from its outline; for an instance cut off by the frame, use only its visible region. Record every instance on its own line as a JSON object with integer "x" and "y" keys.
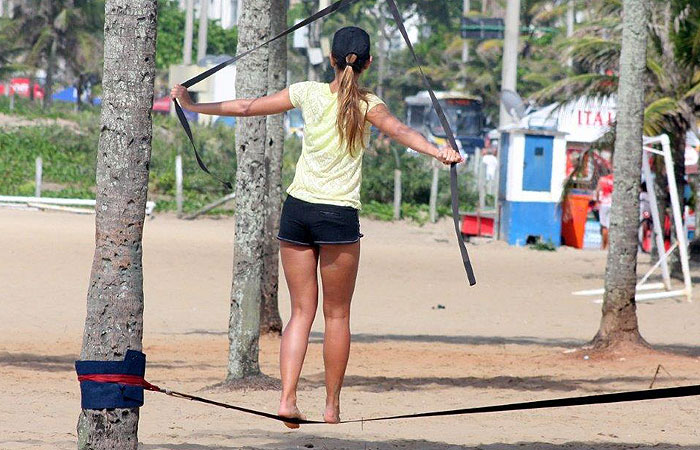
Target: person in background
{"x": 604, "y": 197}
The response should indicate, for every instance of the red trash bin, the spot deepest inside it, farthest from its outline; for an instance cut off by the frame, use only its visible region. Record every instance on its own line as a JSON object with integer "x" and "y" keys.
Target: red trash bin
{"x": 573, "y": 223}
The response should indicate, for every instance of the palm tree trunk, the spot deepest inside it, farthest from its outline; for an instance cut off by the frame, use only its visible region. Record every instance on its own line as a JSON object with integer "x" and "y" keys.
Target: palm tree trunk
{"x": 382, "y": 53}
{"x": 114, "y": 322}
{"x": 32, "y": 81}
{"x": 251, "y": 82}
{"x": 315, "y": 73}
{"x": 397, "y": 184}
{"x": 270, "y": 320}
{"x": 79, "y": 85}
{"x": 678, "y": 152}
{"x": 661, "y": 191}
{"x": 619, "y": 320}
{"x": 50, "y": 70}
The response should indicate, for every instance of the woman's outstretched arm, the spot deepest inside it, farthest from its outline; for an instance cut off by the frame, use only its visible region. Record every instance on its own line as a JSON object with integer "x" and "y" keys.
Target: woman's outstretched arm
{"x": 264, "y": 106}
{"x": 380, "y": 117}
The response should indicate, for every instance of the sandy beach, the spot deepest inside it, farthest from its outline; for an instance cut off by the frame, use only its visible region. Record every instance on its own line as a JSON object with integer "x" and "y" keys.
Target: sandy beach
{"x": 423, "y": 340}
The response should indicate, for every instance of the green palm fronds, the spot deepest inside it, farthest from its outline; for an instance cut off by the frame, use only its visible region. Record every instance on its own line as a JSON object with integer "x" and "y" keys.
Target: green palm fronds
{"x": 657, "y": 114}
{"x": 595, "y": 53}
{"x": 694, "y": 91}
{"x": 591, "y": 84}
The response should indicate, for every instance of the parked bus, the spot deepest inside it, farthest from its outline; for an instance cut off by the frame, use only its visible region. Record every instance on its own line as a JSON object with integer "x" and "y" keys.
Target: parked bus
{"x": 464, "y": 113}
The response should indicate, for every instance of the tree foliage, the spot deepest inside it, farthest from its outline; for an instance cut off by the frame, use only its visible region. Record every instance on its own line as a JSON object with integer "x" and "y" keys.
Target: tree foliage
{"x": 171, "y": 31}
{"x": 70, "y": 30}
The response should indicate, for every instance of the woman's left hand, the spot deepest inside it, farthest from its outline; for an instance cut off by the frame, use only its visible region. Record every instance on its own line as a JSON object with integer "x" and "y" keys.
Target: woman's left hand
{"x": 447, "y": 155}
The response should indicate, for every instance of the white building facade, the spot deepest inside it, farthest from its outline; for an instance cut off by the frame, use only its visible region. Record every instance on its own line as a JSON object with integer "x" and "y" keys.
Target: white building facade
{"x": 226, "y": 12}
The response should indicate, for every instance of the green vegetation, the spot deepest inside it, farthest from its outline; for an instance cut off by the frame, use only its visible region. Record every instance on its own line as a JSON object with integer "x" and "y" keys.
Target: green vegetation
{"x": 68, "y": 149}
{"x": 543, "y": 246}
{"x": 171, "y": 25}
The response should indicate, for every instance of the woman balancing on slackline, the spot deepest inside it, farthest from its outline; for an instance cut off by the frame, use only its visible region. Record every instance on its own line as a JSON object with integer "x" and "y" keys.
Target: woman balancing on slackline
{"x": 319, "y": 224}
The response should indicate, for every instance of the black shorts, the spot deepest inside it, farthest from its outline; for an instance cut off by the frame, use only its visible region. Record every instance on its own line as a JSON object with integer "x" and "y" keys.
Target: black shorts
{"x": 305, "y": 223}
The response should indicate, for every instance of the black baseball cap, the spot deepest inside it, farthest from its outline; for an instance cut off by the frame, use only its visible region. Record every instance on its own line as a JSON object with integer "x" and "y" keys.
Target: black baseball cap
{"x": 351, "y": 40}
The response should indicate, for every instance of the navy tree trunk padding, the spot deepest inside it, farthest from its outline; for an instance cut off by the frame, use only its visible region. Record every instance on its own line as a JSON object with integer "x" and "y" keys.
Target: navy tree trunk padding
{"x": 111, "y": 395}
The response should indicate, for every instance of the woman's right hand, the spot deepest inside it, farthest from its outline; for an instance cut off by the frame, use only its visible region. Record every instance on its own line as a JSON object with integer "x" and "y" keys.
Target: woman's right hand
{"x": 447, "y": 155}
{"x": 179, "y": 93}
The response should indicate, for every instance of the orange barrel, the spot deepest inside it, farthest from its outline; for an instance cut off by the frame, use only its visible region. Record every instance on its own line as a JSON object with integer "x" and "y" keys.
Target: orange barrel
{"x": 573, "y": 222}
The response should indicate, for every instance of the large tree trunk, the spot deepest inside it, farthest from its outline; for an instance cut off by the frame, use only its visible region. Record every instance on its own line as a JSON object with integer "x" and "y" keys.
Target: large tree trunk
{"x": 270, "y": 320}
{"x": 114, "y": 322}
{"x": 619, "y": 322}
{"x": 251, "y": 82}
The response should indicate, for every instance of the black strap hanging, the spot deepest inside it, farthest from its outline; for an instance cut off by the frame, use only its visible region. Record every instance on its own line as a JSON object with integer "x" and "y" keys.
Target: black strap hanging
{"x": 207, "y": 73}
{"x": 454, "y": 185}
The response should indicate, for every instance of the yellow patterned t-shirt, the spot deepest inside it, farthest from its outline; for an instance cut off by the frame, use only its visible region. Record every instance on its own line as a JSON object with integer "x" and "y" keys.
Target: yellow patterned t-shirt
{"x": 326, "y": 172}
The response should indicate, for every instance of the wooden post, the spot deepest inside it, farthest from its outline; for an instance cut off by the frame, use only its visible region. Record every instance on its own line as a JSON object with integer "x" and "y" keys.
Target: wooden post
{"x": 12, "y": 100}
{"x": 397, "y": 194}
{"x": 433, "y": 194}
{"x": 210, "y": 206}
{"x": 37, "y": 177}
{"x": 178, "y": 184}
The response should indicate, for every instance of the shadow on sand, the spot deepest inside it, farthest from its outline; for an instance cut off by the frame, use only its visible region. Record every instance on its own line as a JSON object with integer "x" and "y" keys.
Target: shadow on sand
{"x": 316, "y": 337}
{"x": 532, "y": 384}
{"x": 65, "y": 363}
{"x": 287, "y": 441}
{"x": 365, "y": 338}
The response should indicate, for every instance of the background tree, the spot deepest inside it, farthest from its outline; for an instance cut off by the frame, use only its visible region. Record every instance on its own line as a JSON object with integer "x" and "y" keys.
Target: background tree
{"x": 114, "y": 321}
{"x": 10, "y": 50}
{"x": 672, "y": 77}
{"x": 619, "y": 321}
{"x": 53, "y": 30}
{"x": 251, "y": 185}
{"x": 270, "y": 320}
{"x": 84, "y": 67}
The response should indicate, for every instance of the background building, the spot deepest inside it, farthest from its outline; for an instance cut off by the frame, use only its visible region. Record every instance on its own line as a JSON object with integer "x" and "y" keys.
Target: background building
{"x": 225, "y": 11}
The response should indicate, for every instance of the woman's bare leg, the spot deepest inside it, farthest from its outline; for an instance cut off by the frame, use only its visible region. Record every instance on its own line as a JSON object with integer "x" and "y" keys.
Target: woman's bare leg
{"x": 299, "y": 263}
{"x": 338, "y": 272}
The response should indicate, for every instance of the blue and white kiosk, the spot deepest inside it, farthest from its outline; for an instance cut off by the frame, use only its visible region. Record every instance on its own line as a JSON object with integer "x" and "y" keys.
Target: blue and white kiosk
{"x": 532, "y": 174}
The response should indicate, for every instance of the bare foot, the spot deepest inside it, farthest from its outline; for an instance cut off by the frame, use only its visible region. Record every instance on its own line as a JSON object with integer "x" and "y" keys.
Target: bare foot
{"x": 292, "y": 412}
{"x": 332, "y": 413}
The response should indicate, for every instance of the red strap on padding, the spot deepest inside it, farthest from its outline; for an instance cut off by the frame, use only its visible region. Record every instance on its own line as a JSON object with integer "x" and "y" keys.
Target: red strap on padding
{"x": 128, "y": 380}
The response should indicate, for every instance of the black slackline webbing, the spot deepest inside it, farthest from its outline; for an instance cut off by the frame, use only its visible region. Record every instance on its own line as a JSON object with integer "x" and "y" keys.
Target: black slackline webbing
{"x": 454, "y": 187}
{"x": 597, "y": 399}
{"x": 438, "y": 109}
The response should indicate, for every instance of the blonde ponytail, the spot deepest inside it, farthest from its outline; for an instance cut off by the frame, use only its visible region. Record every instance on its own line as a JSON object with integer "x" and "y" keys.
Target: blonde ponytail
{"x": 351, "y": 118}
